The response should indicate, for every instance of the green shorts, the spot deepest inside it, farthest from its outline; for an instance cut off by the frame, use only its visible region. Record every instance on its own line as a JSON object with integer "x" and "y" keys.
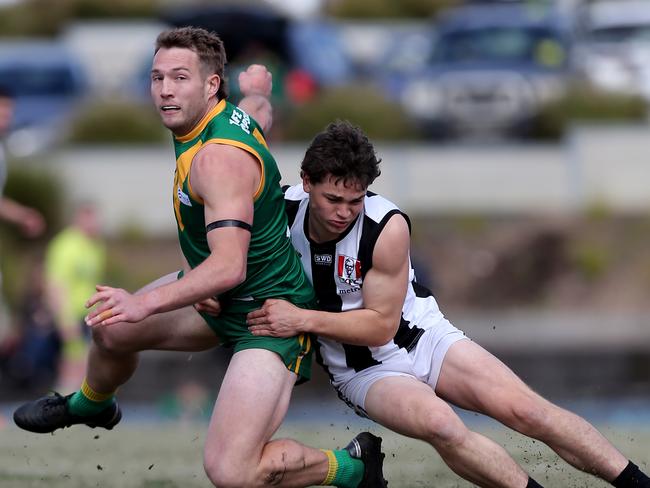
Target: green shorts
{"x": 296, "y": 352}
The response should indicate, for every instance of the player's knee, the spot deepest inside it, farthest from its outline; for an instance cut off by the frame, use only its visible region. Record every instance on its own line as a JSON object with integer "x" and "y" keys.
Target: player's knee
{"x": 108, "y": 341}
{"x": 223, "y": 474}
{"x": 530, "y": 417}
{"x": 444, "y": 430}
{"x": 278, "y": 458}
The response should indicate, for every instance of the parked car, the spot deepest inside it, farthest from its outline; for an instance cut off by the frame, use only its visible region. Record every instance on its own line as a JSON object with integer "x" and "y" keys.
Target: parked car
{"x": 613, "y": 51}
{"x": 380, "y": 48}
{"x": 46, "y": 83}
{"x": 493, "y": 67}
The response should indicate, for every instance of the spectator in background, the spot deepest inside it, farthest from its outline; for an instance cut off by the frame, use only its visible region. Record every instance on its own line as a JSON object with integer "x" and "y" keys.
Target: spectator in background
{"x": 75, "y": 261}
{"x": 29, "y": 220}
{"x": 30, "y": 356}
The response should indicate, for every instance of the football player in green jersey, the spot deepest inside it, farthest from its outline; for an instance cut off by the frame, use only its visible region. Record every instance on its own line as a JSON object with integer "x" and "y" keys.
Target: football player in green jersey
{"x": 234, "y": 238}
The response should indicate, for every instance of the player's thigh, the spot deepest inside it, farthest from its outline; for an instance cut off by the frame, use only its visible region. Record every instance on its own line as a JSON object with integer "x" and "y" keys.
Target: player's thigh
{"x": 178, "y": 330}
{"x": 474, "y": 379}
{"x": 410, "y": 407}
{"x": 252, "y": 402}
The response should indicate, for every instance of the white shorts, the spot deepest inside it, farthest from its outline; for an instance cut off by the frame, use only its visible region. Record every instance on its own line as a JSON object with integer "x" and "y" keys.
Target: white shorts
{"x": 423, "y": 363}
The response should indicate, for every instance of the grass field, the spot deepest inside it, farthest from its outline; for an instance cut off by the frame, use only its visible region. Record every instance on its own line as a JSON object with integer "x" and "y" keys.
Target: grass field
{"x": 168, "y": 455}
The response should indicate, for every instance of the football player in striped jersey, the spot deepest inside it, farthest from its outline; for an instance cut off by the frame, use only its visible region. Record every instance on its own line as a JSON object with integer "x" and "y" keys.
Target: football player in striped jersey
{"x": 390, "y": 353}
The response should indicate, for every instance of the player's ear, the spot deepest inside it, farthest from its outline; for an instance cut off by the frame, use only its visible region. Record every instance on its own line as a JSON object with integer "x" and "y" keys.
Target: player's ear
{"x": 306, "y": 184}
{"x": 214, "y": 82}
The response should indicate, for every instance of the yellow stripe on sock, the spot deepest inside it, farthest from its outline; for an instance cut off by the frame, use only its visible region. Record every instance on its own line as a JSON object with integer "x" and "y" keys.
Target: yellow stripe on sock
{"x": 92, "y": 395}
{"x": 332, "y": 467}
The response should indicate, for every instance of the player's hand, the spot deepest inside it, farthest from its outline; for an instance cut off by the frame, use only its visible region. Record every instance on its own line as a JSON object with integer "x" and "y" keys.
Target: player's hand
{"x": 256, "y": 80}
{"x": 115, "y": 305}
{"x": 211, "y": 306}
{"x": 32, "y": 224}
{"x": 276, "y": 318}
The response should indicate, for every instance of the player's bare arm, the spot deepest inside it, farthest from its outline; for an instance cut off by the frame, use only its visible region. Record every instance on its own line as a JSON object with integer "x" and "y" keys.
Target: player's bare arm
{"x": 255, "y": 84}
{"x": 30, "y": 222}
{"x": 384, "y": 291}
{"x": 211, "y": 305}
{"x": 226, "y": 178}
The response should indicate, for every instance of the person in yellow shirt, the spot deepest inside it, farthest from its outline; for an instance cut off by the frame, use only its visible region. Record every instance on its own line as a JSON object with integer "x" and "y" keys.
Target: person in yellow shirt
{"x": 75, "y": 261}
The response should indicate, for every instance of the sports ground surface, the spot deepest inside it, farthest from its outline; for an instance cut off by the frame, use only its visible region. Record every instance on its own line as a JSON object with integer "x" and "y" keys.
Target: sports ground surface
{"x": 168, "y": 454}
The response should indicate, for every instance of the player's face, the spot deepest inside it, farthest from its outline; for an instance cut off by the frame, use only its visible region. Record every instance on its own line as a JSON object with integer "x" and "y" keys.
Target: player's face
{"x": 181, "y": 93}
{"x": 333, "y": 207}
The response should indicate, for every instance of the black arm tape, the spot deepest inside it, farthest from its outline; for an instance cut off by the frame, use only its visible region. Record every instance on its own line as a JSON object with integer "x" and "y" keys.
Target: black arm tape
{"x": 228, "y": 223}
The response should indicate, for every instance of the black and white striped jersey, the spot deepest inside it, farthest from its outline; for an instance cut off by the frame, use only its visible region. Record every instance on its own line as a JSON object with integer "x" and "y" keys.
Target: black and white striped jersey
{"x": 337, "y": 269}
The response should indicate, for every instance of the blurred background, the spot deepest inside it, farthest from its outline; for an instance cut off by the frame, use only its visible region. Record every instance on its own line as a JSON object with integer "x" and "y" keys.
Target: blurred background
{"x": 515, "y": 134}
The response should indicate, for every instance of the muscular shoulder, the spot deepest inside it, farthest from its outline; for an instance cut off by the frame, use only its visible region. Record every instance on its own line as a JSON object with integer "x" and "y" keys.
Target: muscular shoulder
{"x": 215, "y": 155}
{"x": 395, "y": 231}
{"x": 392, "y": 248}
{"x": 379, "y": 208}
{"x": 224, "y": 165}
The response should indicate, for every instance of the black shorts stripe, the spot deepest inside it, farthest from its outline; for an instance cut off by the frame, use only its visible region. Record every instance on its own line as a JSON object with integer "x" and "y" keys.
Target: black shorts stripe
{"x": 407, "y": 337}
{"x": 359, "y": 357}
{"x": 420, "y": 290}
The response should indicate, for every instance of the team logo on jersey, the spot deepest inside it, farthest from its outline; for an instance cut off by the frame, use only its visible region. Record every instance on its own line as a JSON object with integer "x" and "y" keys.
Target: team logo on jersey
{"x": 183, "y": 197}
{"x": 323, "y": 259}
{"x": 349, "y": 270}
{"x": 241, "y": 118}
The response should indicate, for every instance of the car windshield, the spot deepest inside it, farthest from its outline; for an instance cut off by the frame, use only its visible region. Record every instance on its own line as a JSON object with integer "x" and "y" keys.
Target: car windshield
{"x": 500, "y": 44}
{"x": 42, "y": 80}
{"x": 627, "y": 33}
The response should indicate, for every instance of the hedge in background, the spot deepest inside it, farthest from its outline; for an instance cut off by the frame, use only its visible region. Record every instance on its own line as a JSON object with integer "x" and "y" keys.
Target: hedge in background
{"x": 361, "y": 9}
{"x": 49, "y": 17}
{"x": 379, "y": 118}
{"x": 117, "y": 122}
{"x": 30, "y": 185}
{"x": 583, "y": 103}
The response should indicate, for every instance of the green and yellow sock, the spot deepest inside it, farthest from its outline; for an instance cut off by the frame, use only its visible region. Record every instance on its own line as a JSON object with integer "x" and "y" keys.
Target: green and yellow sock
{"x": 343, "y": 471}
{"x": 87, "y": 401}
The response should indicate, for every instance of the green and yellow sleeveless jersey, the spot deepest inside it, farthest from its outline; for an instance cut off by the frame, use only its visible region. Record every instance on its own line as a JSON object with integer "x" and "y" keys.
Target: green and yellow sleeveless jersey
{"x": 273, "y": 269}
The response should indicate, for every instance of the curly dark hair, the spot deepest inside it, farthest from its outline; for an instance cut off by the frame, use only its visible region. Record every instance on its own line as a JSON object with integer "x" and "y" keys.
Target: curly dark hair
{"x": 344, "y": 152}
{"x": 206, "y": 44}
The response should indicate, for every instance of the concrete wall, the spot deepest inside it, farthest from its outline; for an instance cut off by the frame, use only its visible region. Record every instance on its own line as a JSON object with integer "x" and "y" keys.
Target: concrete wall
{"x": 605, "y": 166}
{"x": 560, "y": 353}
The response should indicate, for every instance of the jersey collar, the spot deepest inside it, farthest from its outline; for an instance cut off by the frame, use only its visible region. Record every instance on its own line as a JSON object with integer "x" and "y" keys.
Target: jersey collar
{"x": 218, "y": 108}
